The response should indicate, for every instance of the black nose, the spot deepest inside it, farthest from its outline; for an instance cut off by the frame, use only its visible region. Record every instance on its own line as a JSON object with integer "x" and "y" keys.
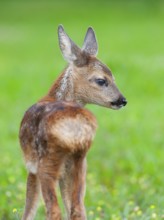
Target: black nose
{"x": 124, "y": 102}
{"x": 120, "y": 102}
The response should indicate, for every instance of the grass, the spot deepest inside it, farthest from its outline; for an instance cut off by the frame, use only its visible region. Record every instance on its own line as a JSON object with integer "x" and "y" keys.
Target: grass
{"x": 125, "y": 165}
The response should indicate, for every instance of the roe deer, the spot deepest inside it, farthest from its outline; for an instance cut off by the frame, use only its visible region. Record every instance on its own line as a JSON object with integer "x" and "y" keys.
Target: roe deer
{"x": 57, "y": 131}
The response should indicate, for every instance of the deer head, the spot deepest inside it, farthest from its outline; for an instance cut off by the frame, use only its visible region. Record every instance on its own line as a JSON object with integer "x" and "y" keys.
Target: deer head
{"x": 93, "y": 81}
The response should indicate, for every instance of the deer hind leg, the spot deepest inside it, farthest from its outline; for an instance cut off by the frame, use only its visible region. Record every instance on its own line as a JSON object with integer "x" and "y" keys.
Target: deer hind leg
{"x": 32, "y": 197}
{"x": 49, "y": 173}
{"x": 72, "y": 187}
{"x": 50, "y": 198}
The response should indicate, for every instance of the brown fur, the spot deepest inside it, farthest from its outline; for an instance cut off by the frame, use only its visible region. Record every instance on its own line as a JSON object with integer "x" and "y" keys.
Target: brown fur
{"x": 56, "y": 132}
{"x": 53, "y": 135}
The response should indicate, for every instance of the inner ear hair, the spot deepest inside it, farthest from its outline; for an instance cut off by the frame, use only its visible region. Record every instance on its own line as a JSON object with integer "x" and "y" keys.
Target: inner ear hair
{"x": 90, "y": 45}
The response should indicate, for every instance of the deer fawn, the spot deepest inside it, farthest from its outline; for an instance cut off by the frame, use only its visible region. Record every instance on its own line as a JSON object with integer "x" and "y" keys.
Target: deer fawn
{"x": 57, "y": 131}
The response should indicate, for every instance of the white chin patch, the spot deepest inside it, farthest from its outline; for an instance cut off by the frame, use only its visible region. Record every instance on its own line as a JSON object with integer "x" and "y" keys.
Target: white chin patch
{"x": 115, "y": 107}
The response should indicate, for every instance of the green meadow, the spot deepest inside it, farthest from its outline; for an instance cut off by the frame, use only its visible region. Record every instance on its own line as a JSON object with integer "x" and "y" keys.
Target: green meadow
{"x": 125, "y": 179}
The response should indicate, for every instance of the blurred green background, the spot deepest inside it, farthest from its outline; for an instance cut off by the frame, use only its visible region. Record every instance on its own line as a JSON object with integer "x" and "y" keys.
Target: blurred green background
{"x": 125, "y": 178}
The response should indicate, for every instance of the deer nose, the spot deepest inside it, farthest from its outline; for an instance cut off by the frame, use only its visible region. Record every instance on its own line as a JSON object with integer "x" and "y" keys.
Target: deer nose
{"x": 124, "y": 101}
{"x": 120, "y": 102}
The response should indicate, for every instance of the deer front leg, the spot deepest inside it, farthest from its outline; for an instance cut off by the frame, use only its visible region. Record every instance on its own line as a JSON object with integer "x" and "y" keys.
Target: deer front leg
{"x": 78, "y": 188}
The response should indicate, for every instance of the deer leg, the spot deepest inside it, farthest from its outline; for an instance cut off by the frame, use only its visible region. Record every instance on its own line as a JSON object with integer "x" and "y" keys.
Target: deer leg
{"x": 66, "y": 194}
{"x": 65, "y": 184}
{"x": 72, "y": 186}
{"x": 49, "y": 173}
{"x": 32, "y": 197}
{"x": 50, "y": 199}
{"x": 78, "y": 188}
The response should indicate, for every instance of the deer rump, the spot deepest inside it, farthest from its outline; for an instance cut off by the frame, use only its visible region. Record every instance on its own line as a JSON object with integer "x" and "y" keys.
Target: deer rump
{"x": 53, "y": 128}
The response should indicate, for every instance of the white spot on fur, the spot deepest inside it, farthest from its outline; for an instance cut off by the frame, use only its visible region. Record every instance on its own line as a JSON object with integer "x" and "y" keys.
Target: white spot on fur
{"x": 64, "y": 84}
{"x": 32, "y": 166}
{"x": 47, "y": 109}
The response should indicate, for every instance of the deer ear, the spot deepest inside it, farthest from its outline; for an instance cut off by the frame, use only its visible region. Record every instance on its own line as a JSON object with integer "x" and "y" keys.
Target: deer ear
{"x": 69, "y": 49}
{"x": 90, "y": 43}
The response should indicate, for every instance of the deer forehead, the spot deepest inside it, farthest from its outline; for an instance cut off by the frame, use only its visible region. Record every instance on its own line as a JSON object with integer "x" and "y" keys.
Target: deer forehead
{"x": 99, "y": 70}
{"x": 93, "y": 69}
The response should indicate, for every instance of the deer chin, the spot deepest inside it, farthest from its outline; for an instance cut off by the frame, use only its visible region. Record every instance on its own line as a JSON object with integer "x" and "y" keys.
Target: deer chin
{"x": 115, "y": 107}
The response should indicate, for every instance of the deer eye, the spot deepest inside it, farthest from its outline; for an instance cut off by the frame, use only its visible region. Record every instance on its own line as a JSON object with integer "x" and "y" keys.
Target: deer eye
{"x": 102, "y": 82}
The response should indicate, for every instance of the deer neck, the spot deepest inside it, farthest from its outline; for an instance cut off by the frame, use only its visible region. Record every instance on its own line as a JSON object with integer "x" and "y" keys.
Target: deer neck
{"x": 63, "y": 89}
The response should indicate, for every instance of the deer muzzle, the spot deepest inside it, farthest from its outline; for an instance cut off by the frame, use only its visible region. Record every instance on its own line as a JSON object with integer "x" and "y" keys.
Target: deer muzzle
{"x": 120, "y": 102}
